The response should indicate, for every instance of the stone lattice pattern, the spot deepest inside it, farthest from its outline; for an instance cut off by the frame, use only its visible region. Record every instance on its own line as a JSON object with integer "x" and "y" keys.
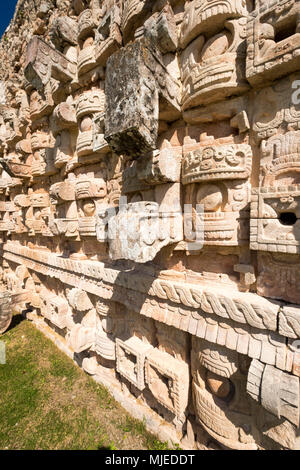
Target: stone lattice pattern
{"x": 166, "y": 102}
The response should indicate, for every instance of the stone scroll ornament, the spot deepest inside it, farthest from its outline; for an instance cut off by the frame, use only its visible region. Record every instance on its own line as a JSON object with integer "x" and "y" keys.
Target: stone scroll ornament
{"x": 150, "y": 206}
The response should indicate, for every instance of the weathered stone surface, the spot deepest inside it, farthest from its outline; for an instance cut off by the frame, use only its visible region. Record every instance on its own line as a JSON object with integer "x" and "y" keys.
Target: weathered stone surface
{"x": 271, "y": 52}
{"x": 5, "y": 311}
{"x": 149, "y": 204}
{"x": 277, "y": 391}
{"x": 132, "y": 105}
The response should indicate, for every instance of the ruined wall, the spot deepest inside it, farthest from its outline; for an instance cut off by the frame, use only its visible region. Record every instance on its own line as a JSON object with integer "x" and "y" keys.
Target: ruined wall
{"x": 149, "y": 203}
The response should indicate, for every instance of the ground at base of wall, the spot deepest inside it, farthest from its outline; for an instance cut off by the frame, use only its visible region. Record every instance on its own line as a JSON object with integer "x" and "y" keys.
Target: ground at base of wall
{"x": 48, "y": 403}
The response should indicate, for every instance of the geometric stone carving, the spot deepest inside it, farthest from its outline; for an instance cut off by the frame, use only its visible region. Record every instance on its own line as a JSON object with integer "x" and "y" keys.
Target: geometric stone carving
{"x": 16, "y": 169}
{"x": 41, "y": 103}
{"x": 213, "y": 173}
{"x": 90, "y": 188}
{"x": 131, "y": 355}
{"x": 44, "y": 62}
{"x": 104, "y": 346}
{"x": 62, "y": 192}
{"x": 274, "y": 219}
{"x": 86, "y": 23}
{"x": 168, "y": 381}
{"x": 217, "y": 163}
{"x": 224, "y": 213}
{"x": 88, "y": 192}
{"x": 65, "y": 220}
{"x": 89, "y": 104}
{"x": 107, "y": 327}
{"x": 273, "y": 41}
{"x": 134, "y": 13}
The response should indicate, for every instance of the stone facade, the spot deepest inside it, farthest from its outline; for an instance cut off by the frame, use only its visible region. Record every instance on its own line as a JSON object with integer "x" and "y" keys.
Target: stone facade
{"x": 118, "y": 120}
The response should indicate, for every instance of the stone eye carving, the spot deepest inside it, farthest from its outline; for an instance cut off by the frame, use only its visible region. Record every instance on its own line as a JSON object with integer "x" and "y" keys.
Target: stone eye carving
{"x": 220, "y": 386}
{"x": 86, "y": 124}
{"x": 215, "y": 46}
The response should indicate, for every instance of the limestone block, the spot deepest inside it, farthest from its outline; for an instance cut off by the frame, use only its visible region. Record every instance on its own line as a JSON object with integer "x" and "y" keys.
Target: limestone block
{"x": 162, "y": 166}
{"x": 131, "y": 121}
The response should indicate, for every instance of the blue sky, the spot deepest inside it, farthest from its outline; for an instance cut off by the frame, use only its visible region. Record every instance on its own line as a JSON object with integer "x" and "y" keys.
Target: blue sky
{"x": 6, "y": 14}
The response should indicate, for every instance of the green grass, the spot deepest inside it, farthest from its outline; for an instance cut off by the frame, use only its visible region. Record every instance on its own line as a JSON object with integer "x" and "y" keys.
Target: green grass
{"x": 47, "y": 402}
